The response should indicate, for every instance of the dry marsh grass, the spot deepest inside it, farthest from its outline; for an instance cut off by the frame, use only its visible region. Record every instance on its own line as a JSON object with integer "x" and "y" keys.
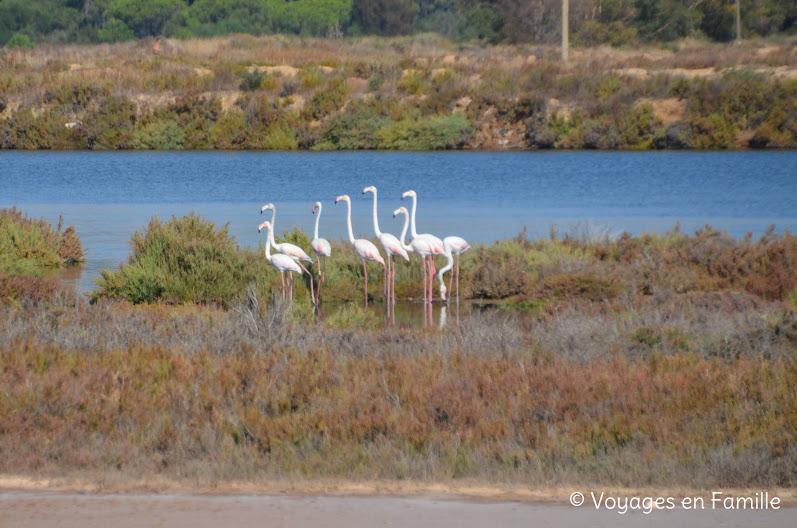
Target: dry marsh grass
{"x": 654, "y": 361}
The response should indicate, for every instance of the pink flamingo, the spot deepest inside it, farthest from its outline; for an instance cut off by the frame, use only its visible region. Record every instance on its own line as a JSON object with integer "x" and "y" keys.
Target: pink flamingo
{"x": 321, "y": 247}
{"x": 291, "y": 250}
{"x": 453, "y": 245}
{"x": 392, "y": 246}
{"x": 365, "y": 249}
{"x": 282, "y": 262}
{"x": 426, "y": 246}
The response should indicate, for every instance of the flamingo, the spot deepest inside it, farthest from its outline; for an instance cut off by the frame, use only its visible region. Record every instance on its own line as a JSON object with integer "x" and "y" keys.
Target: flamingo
{"x": 365, "y": 249}
{"x": 392, "y": 246}
{"x": 321, "y": 246}
{"x": 282, "y": 262}
{"x": 453, "y": 245}
{"x": 291, "y": 250}
{"x": 426, "y": 246}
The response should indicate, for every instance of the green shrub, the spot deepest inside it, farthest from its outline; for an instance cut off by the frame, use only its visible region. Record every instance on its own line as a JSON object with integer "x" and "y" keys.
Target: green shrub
{"x": 114, "y": 30}
{"x": 354, "y": 130}
{"x": 251, "y": 81}
{"x": 186, "y": 259}
{"x": 311, "y": 78}
{"x": 159, "y": 135}
{"x": 19, "y": 40}
{"x": 31, "y": 246}
{"x": 414, "y": 83}
{"x": 328, "y": 100}
{"x": 280, "y": 137}
{"x": 376, "y": 82}
{"x": 428, "y": 133}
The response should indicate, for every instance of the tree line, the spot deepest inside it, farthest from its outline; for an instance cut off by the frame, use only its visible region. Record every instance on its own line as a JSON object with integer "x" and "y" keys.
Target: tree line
{"x": 592, "y": 22}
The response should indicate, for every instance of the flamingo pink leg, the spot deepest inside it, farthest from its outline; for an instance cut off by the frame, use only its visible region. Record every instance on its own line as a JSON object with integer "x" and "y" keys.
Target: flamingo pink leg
{"x": 425, "y": 276}
{"x": 365, "y": 272}
{"x": 320, "y": 278}
{"x": 457, "y": 278}
{"x": 282, "y": 275}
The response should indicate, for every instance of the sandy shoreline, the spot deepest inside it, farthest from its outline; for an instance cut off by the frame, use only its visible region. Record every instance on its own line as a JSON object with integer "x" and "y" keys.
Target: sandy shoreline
{"x": 336, "y": 488}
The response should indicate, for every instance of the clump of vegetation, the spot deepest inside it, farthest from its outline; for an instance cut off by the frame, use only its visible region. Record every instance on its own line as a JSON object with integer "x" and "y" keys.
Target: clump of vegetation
{"x": 31, "y": 246}
{"x": 186, "y": 259}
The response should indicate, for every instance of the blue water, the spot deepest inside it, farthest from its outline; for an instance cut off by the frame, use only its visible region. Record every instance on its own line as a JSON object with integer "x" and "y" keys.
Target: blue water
{"x": 480, "y": 196}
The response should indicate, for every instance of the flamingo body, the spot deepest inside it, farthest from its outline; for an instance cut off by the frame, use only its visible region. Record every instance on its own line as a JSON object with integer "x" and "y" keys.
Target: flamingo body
{"x": 454, "y": 245}
{"x": 365, "y": 249}
{"x": 292, "y": 250}
{"x": 427, "y": 246}
{"x": 282, "y": 262}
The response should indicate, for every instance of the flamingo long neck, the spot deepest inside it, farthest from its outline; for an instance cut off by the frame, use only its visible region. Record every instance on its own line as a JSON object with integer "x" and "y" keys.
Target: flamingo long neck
{"x": 376, "y": 219}
{"x": 351, "y": 232}
{"x": 268, "y": 245}
{"x": 449, "y": 263}
{"x": 318, "y": 218}
{"x": 412, "y": 230}
{"x": 404, "y": 233}
{"x": 271, "y": 229}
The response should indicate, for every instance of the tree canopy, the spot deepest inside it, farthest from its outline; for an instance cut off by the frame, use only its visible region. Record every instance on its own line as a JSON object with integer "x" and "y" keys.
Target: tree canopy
{"x": 614, "y": 22}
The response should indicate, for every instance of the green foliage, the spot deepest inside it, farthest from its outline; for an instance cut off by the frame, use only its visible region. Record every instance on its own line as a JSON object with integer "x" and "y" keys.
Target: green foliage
{"x": 114, "y": 30}
{"x": 19, "y": 41}
{"x": 311, "y": 78}
{"x": 327, "y": 100}
{"x": 428, "y": 133}
{"x": 186, "y": 259}
{"x": 354, "y": 130}
{"x": 280, "y": 137}
{"x": 159, "y": 135}
{"x": 31, "y": 246}
{"x": 143, "y": 17}
{"x": 251, "y": 81}
{"x": 614, "y": 22}
{"x": 414, "y": 83}
{"x": 376, "y": 82}
{"x": 384, "y": 17}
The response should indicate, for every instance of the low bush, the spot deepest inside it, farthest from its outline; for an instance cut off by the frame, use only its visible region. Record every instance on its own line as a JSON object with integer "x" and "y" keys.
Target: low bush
{"x": 186, "y": 259}
{"x": 31, "y": 246}
{"x": 439, "y": 132}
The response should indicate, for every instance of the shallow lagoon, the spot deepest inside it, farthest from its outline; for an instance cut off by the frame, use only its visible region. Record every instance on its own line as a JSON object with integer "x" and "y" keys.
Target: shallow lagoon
{"x": 481, "y": 196}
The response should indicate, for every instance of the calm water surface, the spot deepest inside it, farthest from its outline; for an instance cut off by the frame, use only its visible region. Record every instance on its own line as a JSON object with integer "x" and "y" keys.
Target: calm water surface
{"x": 480, "y": 196}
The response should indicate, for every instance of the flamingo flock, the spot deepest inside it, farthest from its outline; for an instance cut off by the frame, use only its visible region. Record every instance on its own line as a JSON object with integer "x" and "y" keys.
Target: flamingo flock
{"x": 289, "y": 257}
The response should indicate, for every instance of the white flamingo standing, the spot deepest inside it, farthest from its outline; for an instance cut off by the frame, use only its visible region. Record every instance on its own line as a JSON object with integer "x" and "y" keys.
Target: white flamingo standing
{"x": 453, "y": 245}
{"x": 365, "y": 249}
{"x": 282, "y": 262}
{"x": 426, "y": 246}
{"x": 291, "y": 250}
{"x": 321, "y": 246}
{"x": 392, "y": 246}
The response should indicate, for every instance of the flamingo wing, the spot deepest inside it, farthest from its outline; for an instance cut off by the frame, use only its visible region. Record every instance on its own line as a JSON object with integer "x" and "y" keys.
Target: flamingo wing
{"x": 285, "y": 263}
{"x": 367, "y": 251}
{"x": 322, "y": 247}
{"x": 392, "y": 246}
{"x": 293, "y": 251}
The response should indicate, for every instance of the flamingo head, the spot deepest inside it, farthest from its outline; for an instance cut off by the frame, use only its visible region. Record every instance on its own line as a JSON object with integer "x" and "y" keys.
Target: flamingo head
{"x": 317, "y": 205}
{"x": 443, "y": 291}
{"x": 370, "y": 189}
{"x": 343, "y": 197}
{"x": 265, "y": 224}
{"x": 400, "y": 210}
{"x": 409, "y": 193}
{"x": 267, "y": 206}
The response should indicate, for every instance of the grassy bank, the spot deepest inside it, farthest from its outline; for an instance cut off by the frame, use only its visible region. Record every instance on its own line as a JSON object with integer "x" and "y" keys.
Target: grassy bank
{"x": 407, "y": 93}
{"x": 651, "y": 361}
